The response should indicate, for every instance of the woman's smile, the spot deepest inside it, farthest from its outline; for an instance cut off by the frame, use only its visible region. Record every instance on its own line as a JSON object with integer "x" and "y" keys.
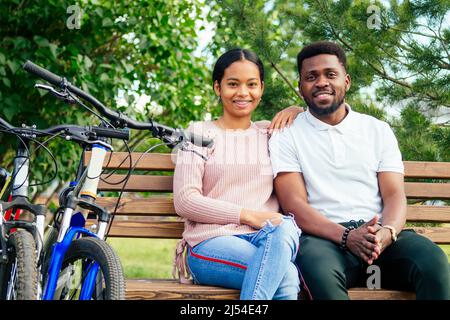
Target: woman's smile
{"x": 242, "y": 104}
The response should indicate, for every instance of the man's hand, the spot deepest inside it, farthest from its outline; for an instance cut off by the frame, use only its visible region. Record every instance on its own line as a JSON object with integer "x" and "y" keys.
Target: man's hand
{"x": 364, "y": 242}
{"x": 383, "y": 238}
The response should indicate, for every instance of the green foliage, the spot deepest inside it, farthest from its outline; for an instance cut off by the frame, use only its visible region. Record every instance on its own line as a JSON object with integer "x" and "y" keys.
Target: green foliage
{"x": 403, "y": 57}
{"x": 143, "y": 47}
{"x": 420, "y": 139}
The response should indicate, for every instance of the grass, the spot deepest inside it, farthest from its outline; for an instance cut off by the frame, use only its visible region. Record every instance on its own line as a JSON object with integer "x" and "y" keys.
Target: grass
{"x": 446, "y": 249}
{"x": 145, "y": 258}
{"x": 153, "y": 258}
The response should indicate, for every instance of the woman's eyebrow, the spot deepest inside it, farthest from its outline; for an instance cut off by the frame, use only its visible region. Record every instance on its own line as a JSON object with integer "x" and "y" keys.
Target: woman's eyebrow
{"x": 236, "y": 79}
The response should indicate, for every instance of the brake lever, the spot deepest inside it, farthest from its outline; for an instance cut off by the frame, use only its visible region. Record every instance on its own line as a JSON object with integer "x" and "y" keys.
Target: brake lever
{"x": 184, "y": 147}
{"x": 60, "y": 95}
{"x": 83, "y": 136}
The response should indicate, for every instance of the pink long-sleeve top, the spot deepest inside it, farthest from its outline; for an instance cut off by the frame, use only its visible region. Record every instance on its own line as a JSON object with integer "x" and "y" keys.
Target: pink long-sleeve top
{"x": 210, "y": 194}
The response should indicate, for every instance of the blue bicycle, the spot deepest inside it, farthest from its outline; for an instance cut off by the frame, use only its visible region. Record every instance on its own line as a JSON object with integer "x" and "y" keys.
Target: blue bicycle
{"x": 78, "y": 263}
{"x": 75, "y": 263}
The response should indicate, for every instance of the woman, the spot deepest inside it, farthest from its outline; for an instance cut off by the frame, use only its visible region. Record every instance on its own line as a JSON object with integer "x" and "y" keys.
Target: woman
{"x": 235, "y": 234}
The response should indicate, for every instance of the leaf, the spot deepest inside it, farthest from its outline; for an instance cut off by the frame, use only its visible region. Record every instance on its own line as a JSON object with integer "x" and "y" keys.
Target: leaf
{"x": 99, "y": 12}
{"x": 87, "y": 62}
{"x": 13, "y": 66}
{"x": 2, "y": 58}
{"x": 104, "y": 77}
{"x": 128, "y": 67}
{"x": 42, "y": 92}
{"x": 9, "y": 110}
{"x": 41, "y": 41}
{"x": 53, "y": 49}
{"x": 107, "y": 22}
{"x": 7, "y": 82}
{"x": 106, "y": 66}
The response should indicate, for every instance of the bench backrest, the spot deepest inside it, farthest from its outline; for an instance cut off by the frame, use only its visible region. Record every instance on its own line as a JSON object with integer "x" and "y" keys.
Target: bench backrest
{"x": 152, "y": 214}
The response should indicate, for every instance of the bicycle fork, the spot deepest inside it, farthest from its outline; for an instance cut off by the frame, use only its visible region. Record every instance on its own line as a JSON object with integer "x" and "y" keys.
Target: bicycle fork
{"x": 72, "y": 226}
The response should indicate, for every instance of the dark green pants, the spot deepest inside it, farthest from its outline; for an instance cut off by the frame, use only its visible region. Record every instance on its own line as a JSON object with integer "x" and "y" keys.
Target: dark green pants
{"x": 412, "y": 263}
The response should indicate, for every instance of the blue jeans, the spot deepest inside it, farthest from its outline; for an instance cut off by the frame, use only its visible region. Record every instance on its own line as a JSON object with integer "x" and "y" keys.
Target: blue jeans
{"x": 260, "y": 264}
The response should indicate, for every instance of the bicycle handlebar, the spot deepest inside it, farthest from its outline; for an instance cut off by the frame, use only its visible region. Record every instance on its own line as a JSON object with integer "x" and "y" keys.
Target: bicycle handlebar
{"x": 79, "y": 133}
{"x": 119, "y": 119}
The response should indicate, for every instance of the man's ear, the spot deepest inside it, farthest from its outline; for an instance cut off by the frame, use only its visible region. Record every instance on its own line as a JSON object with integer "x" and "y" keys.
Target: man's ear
{"x": 300, "y": 89}
{"x": 348, "y": 82}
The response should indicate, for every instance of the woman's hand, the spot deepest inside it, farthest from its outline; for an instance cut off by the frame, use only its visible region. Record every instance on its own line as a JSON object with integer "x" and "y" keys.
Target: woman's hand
{"x": 284, "y": 118}
{"x": 257, "y": 219}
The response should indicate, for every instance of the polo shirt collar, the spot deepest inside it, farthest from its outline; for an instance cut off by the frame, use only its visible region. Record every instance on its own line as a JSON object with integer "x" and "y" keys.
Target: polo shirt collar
{"x": 343, "y": 127}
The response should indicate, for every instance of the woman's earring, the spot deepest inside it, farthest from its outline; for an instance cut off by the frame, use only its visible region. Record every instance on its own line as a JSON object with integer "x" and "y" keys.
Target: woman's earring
{"x": 219, "y": 99}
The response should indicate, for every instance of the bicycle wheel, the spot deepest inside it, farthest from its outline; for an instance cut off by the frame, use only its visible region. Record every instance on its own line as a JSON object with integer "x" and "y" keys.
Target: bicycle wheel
{"x": 20, "y": 275}
{"x": 78, "y": 261}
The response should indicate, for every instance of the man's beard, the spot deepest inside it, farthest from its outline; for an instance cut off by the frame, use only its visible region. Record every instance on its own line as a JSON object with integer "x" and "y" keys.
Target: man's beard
{"x": 324, "y": 111}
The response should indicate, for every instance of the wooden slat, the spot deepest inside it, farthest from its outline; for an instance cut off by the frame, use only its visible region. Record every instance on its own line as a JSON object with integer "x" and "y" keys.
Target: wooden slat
{"x": 155, "y": 205}
{"x": 414, "y": 190}
{"x": 366, "y": 294}
{"x": 155, "y": 289}
{"x": 163, "y": 161}
{"x": 419, "y": 190}
{"x": 137, "y": 183}
{"x": 439, "y": 235}
{"x": 439, "y": 214}
{"x": 174, "y": 230}
{"x": 148, "y": 161}
{"x": 163, "y": 206}
{"x": 147, "y": 229}
{"x": 150, "y": 289}
{"x": 428, "y": 170}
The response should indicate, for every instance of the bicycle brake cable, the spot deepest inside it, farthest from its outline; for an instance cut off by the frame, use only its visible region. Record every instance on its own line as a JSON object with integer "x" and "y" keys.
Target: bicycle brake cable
{"x": 123, "y": 187}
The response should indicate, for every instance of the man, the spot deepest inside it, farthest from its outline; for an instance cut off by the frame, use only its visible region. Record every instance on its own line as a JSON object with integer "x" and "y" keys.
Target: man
{"x": 341, "y": 174}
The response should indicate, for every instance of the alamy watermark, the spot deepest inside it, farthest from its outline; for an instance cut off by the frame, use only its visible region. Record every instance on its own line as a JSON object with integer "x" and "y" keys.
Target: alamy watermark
{"x": 374, "y": 20}
{"x": 374, "y": 280}
{"x": 74, "y": 20}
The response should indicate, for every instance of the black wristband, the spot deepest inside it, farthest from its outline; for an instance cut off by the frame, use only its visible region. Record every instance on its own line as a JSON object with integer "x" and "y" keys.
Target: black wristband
{"x": 343, "y": 245}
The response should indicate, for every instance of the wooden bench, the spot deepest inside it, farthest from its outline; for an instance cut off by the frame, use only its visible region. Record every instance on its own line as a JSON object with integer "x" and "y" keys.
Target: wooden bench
{"x": 155, "y": 217}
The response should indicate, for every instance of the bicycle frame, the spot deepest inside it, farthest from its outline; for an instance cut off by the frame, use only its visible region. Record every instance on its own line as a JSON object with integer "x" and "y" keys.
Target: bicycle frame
{"x": 72, "y": 226}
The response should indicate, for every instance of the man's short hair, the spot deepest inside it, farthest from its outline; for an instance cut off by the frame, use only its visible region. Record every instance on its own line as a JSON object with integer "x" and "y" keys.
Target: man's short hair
{"x": 321, "y": 47}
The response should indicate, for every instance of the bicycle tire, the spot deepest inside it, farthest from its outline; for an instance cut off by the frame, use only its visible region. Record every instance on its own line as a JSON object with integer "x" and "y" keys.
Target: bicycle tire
{"x": 94, "y": 249}
{"x": 50, "y": 238}
{"x": 22, "y": 256}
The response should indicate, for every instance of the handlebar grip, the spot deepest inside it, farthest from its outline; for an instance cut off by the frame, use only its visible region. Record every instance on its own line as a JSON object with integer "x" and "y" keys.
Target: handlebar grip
{"x": 42, "y": 73}
{"x": 122, "y": 134}
{"x": 198, "y": 140}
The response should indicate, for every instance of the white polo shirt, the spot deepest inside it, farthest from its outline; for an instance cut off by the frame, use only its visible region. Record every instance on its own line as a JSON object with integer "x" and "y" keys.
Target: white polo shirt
{"x": 339, "y": 163}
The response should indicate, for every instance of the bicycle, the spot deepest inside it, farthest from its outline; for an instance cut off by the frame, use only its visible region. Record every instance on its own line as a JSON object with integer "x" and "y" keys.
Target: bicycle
{"x": 87, "y": 136}
{"x": 20, "y": 239}
{"x": 79, "y": 264}
{"x": 88, "y": 190}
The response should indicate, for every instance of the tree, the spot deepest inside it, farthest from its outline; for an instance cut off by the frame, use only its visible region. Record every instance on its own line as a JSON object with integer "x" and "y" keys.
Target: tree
{"x": 104, "y": 47}
{"x": 400, "y": 49}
